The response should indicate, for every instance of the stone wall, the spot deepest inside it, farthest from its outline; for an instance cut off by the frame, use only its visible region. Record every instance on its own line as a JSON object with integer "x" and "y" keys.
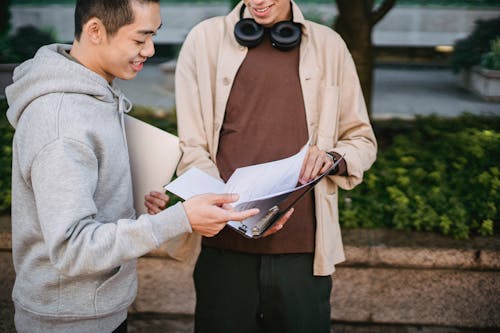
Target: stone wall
{"x": 389, "y": 278}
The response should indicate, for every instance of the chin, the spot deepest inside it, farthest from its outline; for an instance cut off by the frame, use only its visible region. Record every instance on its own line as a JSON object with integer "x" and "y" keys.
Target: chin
{"x": 127, "y": 77}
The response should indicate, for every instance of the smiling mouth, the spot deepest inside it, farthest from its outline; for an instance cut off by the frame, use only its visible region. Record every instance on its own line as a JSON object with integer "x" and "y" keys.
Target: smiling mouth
{"x": 137, "y": 65}
{"x": 262, "y": 10}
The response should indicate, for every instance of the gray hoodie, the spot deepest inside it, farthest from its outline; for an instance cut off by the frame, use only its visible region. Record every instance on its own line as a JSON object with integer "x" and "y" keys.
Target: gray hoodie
{"x": 75, "y": 238}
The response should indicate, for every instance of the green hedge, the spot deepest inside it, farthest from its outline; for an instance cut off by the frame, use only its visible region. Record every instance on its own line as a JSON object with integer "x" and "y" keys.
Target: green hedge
{"x": 6, "y": 134}
{"x": 432, "y": 174}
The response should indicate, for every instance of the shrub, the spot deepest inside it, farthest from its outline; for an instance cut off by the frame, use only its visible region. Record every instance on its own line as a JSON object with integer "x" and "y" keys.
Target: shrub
{"x": 468, "y": 51}
{"x": 165, "y": 121}
{"x": 434, "y": 174}
{"x": 24, "y": 43}
{"x": 6, "y": 135}
{"x": 491, "y": 59}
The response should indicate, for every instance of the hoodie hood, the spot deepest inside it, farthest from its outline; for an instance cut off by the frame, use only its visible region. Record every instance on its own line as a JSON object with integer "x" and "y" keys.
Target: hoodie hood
{"x": 50, "y": 71}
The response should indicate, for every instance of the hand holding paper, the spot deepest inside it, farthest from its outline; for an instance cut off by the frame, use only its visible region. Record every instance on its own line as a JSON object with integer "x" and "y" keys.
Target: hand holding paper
{"x": 277, "y": 180}
{"x": 209, "y": 213}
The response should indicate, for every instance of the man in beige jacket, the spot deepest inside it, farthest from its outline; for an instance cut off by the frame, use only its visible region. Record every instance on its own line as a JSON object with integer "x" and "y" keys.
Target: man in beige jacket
{"x": 252, "y": 87}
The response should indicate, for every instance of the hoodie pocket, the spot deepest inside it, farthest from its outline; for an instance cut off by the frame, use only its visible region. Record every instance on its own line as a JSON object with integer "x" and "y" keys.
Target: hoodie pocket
{"x": 118, "y": 291}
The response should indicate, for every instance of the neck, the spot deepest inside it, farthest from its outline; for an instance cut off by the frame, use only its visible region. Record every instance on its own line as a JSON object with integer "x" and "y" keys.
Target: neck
{"x": 88, "y": 57}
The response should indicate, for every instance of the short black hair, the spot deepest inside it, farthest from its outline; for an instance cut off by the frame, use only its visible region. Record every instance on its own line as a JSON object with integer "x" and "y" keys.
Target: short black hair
{"x": 114, "y": 14}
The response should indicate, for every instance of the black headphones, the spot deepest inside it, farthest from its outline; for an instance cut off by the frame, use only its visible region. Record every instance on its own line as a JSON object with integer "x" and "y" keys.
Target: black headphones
{"x": 285, "y": 35}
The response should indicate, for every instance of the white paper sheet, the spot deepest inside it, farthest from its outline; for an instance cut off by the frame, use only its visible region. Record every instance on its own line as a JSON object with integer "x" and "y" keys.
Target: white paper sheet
{"x": 266, "y": 179}
{"x": 260, "y": 186}
{"x": 251, "y": 183}
{"x": 194, "y": 182}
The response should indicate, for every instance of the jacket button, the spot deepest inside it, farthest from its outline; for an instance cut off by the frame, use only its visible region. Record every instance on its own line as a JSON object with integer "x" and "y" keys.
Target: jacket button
{"x": 226, "y": 81}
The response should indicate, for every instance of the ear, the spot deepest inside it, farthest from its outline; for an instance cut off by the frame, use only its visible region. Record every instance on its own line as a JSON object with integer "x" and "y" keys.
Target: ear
{"x": 95, "y": 30}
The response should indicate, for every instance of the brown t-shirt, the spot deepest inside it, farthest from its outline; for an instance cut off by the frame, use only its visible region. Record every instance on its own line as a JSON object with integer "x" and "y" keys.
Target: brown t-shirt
{"x": 265, "y": 120}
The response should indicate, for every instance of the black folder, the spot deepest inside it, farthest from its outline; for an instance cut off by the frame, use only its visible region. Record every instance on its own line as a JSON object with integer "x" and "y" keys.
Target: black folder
{"x": 285, "y": 203}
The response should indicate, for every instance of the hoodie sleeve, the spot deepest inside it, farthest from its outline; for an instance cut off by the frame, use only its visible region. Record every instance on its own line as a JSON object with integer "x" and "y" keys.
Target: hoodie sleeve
{"x": 64, "y": 177}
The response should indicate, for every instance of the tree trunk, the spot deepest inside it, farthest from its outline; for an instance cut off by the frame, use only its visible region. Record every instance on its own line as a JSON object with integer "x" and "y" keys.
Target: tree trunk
{"x": 4, "y": 17}
{"x": 355, "y": 23}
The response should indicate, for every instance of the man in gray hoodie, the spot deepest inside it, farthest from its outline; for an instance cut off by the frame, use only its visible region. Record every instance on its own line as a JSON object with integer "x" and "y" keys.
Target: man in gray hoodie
{"x": 75, "y": 236}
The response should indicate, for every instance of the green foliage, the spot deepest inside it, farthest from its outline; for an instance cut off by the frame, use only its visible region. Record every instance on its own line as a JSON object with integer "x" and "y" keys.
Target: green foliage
{"x": 433, "y": 174}
{"x": 468, "y": 51}
{"x": 6, "y": 135}
{"x": 165, "y": 121}
{"x": 491, "y": 59}
{"x": 24, "y": 43}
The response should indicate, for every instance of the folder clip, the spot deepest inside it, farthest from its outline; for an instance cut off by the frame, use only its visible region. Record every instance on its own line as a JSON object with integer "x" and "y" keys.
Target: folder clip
{"x": 266, "y": 221}
{"x": 243, "y": 227}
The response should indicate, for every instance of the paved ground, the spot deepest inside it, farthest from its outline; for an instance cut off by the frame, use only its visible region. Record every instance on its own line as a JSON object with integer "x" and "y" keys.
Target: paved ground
{"x": 184, "y": 324}
{"x": 398, "y": 92}
{"x": 158, "y": 323}
{"x": 406, "y": 92}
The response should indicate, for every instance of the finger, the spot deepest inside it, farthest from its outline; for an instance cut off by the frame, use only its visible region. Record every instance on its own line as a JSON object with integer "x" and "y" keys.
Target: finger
{"x": 159, "y": 203}
{"x": 274, "y": 229}
{"x": 304, "y": 163}
{"x": 161, "y": 196}
{"x": 227, "y": 207}
{"x": 282, "y": 220}
{"x": 318, "y": 165}
{"x": 225, "y": 198}
{"x": 328, "y": 163}
{"x": 244, "y": 214}
{"x": 152, "y": 209}
{"x": 151, "y": 199}
{"x": 278, "y": 225}
{"x": 312, "y": 169}
{"x": 304, "y": 175}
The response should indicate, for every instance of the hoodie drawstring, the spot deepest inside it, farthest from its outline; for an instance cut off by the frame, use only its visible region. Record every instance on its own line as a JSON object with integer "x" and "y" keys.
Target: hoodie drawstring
{"x": 124, "y": 106}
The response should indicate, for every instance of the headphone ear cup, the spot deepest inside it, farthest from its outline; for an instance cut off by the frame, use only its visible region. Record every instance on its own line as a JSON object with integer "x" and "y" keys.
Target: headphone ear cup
{"x": 285, "y": 35}
{"x": 248, "y": 33}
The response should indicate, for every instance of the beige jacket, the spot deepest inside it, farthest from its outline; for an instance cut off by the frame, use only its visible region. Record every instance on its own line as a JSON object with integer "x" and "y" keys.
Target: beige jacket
{"x": 336, "y": 112}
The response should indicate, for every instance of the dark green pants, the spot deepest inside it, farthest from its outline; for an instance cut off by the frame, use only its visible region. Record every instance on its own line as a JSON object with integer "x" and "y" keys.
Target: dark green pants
{"x": 239, "y": 292}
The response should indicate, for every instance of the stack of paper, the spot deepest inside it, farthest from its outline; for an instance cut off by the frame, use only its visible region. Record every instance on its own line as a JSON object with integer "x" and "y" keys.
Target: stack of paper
{"x": 260, "y": 186}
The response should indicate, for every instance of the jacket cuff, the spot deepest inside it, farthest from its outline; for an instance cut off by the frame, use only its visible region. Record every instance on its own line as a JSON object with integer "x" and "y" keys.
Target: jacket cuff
{"x": 170, "y": 223}
{"x": 341, "y": 169}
